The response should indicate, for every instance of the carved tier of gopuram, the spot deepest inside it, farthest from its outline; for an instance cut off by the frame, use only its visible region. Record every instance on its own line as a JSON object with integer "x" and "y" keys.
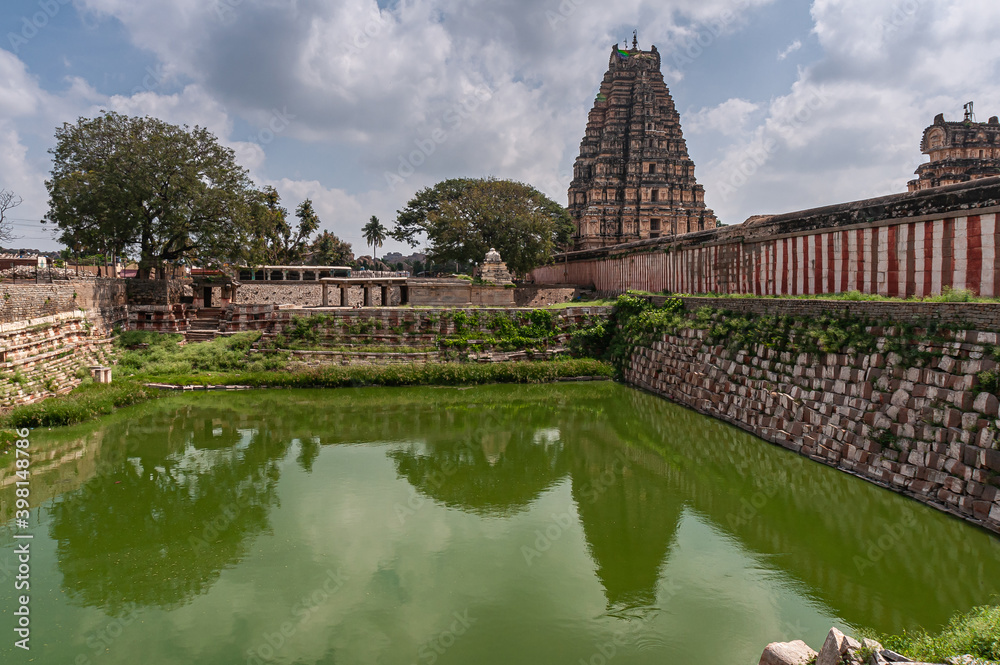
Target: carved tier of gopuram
{"x": 634, "y": 178}
{"x": 959, "y": 151}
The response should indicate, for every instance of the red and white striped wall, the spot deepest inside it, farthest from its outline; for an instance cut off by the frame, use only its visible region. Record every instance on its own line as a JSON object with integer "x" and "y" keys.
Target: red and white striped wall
{"x": 909, "y": 258}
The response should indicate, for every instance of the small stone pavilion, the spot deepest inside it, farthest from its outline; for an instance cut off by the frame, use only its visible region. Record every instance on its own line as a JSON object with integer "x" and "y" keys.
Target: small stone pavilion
{"x": 494, "y": 270}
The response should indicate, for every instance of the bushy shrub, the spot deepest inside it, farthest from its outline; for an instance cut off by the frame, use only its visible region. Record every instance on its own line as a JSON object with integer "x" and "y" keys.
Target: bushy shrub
{"x": 84, "y": 403}
{"x": 590, "y": 342}
{"x": 976, "y": 633}
{"x": 989, "y": 381}
{"x": 222, "y": 354}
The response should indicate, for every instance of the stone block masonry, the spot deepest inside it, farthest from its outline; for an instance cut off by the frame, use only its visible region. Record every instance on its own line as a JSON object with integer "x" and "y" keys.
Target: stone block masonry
{"x": 19, "y": 302}
{"x": 156, "y": 291}
{"x": 407, "y": 326}
{"x": 49, "y": 355}
{"x": 416, "y": 336}
{"x": 926, "y": 432}
{"x": 103, "y": 300}
{"x": 972, "y": 315}
{"x": 299, "y": 294}
{"x": 541, "y": 295}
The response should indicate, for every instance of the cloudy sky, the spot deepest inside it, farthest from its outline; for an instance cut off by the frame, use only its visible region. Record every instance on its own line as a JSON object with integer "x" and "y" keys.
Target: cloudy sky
{"x": 785, "y": 104}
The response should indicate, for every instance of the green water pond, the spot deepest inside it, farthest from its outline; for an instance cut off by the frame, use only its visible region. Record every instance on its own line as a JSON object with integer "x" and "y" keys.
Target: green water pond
{"x": 572, "y": 523}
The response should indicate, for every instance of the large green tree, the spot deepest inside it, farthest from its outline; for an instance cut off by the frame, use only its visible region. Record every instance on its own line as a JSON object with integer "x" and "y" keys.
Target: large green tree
{"x": 169, "y": 193}
{"x": 268, "y": 226}
{"x": 271, "y": 239}
{"x": 329, "y": 250}
{"x": 462, "y": 218}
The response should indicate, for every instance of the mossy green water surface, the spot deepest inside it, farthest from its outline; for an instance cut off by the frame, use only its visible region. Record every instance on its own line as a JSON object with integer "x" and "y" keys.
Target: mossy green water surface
{"x": 488, "y": 524}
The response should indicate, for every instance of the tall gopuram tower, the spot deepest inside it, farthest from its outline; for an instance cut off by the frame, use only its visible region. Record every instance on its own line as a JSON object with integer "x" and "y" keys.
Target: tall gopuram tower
{"x": 633, "y": 178}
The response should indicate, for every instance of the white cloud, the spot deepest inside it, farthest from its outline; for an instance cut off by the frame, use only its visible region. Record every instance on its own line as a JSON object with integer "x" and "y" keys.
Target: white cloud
{"x": 368, "y": 87}
{"x": 193, "y": 106}
{"x": 790, "y": 49}
{"x": 850, "y": 126}
{"x": 728, "y": 118}
{"x": 26, "y": 112}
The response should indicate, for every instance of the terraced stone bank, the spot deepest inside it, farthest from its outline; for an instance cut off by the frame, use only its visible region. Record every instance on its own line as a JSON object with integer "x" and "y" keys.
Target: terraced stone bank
{"x": 48, "y": 356}
{"x": 380, "y": 336}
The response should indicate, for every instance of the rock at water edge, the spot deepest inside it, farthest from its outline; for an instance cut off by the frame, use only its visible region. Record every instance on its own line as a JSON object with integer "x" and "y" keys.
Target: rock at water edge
{"x": 787, "y": 653}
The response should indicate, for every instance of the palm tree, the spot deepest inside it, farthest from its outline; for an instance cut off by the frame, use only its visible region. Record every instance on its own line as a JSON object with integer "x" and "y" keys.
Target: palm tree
{"x": 374, "y": 233}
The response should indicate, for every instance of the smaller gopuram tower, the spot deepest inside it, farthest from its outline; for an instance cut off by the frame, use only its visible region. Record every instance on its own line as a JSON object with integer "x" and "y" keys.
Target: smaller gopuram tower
{"x": 634, "y": 178}
{"x": 959, "y": 151}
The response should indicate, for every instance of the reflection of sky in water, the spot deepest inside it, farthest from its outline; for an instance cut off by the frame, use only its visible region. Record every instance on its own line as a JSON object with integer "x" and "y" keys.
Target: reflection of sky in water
{"x": 539, "y": 538}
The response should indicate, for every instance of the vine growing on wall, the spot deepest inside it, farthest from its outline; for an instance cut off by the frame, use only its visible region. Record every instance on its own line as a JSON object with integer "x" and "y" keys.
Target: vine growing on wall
{"x": 636, "y": 322}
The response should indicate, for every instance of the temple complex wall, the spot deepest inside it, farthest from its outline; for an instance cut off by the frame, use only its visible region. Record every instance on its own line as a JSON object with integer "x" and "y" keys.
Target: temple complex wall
{"x": 915, "y": 244}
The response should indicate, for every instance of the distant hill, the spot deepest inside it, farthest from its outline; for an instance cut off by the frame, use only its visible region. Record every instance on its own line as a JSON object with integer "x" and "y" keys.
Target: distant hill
{"x": 393, "y": 258}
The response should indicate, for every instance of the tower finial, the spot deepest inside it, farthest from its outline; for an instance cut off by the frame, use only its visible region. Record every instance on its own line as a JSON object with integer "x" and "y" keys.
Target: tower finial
{"x": 635, "y": 40}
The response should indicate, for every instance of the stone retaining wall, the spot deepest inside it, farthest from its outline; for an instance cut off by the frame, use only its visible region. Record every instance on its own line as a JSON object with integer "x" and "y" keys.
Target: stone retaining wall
{"x": 159, "y": 318}
{"x": 971, "y": 315}
{"x": 276, "y": 293}
{"x": 457, "y": 293}
{"x": 541, "y": 295}
{"x": 156, "y": 291}
{"x": 103, "y": 299}
{"x": 320, "y": 358}
{"x": 19, "y": 302}
{"x": 925, "y": 432}
{"x": 405, "y": 326}
{"x": 47, "y": 356}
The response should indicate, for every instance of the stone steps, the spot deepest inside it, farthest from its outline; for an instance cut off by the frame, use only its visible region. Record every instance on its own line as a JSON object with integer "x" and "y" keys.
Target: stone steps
{"x": 49, "y": 359}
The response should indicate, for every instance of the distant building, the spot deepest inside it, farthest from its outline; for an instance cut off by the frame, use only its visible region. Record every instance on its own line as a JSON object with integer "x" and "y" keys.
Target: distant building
{"x": 8, "y": 261}
{"x": 299, "y": 273}
{"x": 634, "y": 178}
{"x": 959, "y": 151}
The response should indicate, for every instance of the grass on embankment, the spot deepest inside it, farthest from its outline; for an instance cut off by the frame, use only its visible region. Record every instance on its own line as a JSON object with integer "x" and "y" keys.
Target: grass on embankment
{"x": 976, "y": 633}
{"x": 431, "y": 374}
{"x": 86, "y": 402}
{"x": 600, "y": 302}
{"x": 228, "y": 361}
{"x": 92, "y": 400}
{"x": 151, "y": 353}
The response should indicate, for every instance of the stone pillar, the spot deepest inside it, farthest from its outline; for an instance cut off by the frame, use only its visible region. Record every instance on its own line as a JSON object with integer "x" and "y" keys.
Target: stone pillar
{"x": 326, "y": 294}
{"x": 100, "y": 374}
{"x": 368, "y": 295}
{"x": 404, "y": 294}
{"x": 344, "y": 290}
{"x": 385, "y": 296}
